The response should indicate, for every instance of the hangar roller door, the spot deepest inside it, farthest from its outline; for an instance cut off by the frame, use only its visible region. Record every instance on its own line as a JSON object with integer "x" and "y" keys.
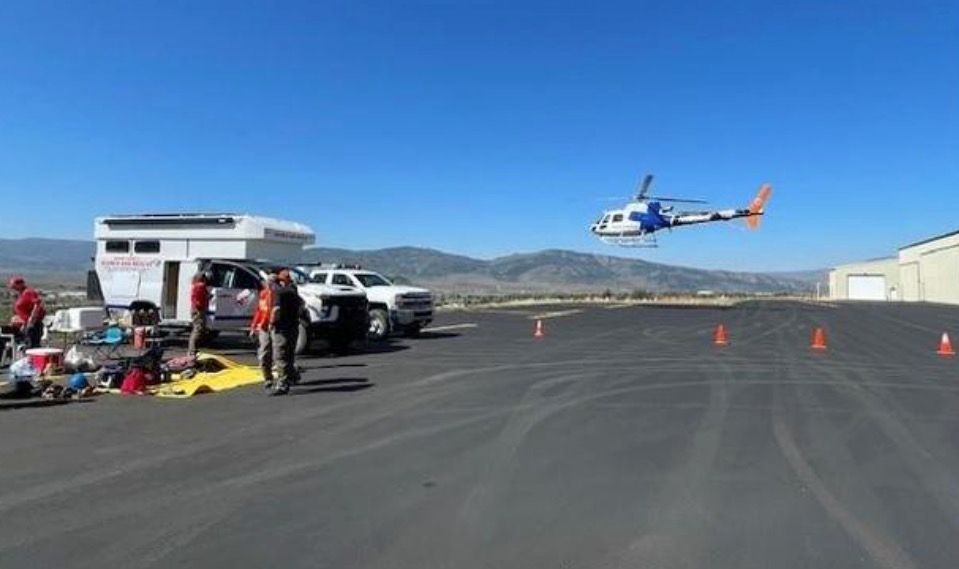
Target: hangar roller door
{"x": 866, "y": 287}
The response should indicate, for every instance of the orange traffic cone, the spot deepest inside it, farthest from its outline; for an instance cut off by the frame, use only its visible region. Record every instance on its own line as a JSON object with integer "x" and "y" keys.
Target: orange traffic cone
{"x": 945, "y": 346}
{"x": 540, "y": 332}
{"x": 720, "y": 338}
{"x": 818, "y": 339}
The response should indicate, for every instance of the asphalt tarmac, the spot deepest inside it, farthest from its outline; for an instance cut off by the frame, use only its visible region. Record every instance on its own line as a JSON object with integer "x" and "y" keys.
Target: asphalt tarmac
{"x": 623, "y": 438}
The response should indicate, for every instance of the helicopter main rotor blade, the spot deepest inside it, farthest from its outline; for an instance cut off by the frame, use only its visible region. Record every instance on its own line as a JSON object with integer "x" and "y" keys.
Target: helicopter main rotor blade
{"x": 675, "y": 200}
{"x": 644, "y": 186}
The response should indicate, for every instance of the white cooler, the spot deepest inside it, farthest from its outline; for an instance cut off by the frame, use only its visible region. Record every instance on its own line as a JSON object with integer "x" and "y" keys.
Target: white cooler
{"x": 81, "y": 319}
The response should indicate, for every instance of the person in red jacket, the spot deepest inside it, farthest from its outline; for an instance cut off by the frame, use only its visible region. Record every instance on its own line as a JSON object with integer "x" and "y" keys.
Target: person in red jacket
{"x": 28, "y": 311}
{"x": 262, "y": 329}
{"x": 199, "y": 307}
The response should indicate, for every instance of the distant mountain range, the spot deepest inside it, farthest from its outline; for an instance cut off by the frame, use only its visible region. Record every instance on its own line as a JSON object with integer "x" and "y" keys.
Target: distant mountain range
{"x": 66, "y": 261}
{"x": 58, "y": 263}
{"x": 559, "y": 271}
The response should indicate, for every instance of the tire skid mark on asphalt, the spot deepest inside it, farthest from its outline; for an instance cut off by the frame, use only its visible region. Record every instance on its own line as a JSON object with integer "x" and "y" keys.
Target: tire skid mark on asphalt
{"x": 685, "y": 487}
{"x": 144, "y": 550}
{"x": 554, "y": 314}
{"x": 46, "y": 491}
{"x": 769, "y": 331}
{"x": 406, "y": 401}
{"x": 675, "y": 335}
{"x": 882, "y": 548}
{"x": 884, "y": 411}
{"x": 177, "y": 491}
{"x": 806, "y": 408}
{"x": 667, "y": 363}
{"x": 835, "y": 446}
{"x": 79, "y": 480}
{"x": 676, "y": 361}
{"x": 448, "y": 327}
{"x": 537, "y": 405}
{"x": 93, "y": 477}
{"x": 247, "y": 479}
{"x": 901, "y": 321}
{"x": 861, "y": 324}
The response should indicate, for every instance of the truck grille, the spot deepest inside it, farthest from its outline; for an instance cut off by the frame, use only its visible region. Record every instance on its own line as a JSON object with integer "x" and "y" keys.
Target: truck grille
{"x": 349, "y": 304}
{"x": 416, "y": 302}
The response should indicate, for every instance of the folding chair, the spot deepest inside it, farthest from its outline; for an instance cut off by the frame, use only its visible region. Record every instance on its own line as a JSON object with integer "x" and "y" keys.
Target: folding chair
{"x": 106, "y": 344}
{"x": 9, "y": 348}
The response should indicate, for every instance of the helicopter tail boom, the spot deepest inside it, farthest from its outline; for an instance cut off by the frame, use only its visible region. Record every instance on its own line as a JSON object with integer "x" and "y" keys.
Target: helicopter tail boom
{"x": 752, "y": 214}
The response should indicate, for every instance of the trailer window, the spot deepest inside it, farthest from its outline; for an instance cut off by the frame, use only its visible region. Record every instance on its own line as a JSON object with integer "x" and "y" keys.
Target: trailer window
{"x": 146, "y": 247}
{"x": 118, "y": 246}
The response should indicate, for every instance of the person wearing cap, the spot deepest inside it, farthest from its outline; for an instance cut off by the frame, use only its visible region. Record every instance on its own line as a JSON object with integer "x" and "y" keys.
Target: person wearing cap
{"x": 261, "y": 329}
{"x": 199, "y": 307}
{"x": 285, "y": 320}
{"x": 28, "y": 311}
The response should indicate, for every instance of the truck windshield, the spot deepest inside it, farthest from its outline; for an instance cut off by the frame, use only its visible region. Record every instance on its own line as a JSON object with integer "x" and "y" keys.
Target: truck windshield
{"x": 369, "y": 280}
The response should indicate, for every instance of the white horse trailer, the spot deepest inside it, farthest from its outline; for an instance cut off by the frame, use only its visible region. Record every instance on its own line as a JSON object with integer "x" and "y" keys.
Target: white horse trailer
{"x": 150, "y": 260}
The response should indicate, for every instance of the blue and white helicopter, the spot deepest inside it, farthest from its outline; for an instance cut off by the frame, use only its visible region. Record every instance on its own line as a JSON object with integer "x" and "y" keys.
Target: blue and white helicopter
{"x": 635, "y": 224}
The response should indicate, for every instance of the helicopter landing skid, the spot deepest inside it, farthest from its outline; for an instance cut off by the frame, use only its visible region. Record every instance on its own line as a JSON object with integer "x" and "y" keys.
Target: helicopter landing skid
{"x": 638, "y": 241}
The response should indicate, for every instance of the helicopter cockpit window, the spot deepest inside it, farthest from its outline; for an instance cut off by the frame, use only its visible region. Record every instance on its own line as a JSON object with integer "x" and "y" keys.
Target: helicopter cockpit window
{"x": 617, "y": 218}
{"x": 605, "y": 219}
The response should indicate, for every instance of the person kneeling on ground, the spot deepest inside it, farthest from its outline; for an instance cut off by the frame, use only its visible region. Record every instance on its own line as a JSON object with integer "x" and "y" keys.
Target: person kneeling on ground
{"x": 28, "y": 312}
{"x": 260, "y": 329}
{"x": 286, "y": 322}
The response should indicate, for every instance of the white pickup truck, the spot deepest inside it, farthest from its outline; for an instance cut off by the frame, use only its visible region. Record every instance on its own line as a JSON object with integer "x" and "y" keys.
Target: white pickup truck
{"x": 393, "y": 308}
{"x": 333, "y": 314}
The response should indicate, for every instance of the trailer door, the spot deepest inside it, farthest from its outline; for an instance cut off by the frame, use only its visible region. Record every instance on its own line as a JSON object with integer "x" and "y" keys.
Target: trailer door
{"x": 171, "y": 288}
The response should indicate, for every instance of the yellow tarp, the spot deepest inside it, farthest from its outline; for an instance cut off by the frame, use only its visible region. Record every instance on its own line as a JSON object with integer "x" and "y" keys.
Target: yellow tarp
{"x": 231, "y": 376}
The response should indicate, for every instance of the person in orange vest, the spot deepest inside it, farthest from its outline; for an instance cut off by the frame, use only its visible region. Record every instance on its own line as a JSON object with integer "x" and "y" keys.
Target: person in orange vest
{"x": 261, "y": 328}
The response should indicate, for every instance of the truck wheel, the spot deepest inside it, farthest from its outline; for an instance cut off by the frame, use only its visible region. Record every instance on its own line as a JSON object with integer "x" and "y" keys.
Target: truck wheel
{"x": 413, "y": 330}
{"x": 302, "y": 339}
{"x": 379, "y": 324}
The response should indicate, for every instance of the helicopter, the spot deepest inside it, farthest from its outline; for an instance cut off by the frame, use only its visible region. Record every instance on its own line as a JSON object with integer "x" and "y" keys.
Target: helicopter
{"x": 635, "y": 224}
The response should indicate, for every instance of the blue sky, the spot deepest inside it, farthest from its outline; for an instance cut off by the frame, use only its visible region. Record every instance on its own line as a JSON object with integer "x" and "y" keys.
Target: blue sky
{"x": 486, "y": 128}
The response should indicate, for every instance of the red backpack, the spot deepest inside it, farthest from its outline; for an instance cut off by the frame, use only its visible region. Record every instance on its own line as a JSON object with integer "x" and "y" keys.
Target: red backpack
{"x": 134, "y": 382}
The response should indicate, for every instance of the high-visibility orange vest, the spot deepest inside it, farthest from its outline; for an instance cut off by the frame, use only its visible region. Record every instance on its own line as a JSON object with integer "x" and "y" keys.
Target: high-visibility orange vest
{"x": 261, "y": 318}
